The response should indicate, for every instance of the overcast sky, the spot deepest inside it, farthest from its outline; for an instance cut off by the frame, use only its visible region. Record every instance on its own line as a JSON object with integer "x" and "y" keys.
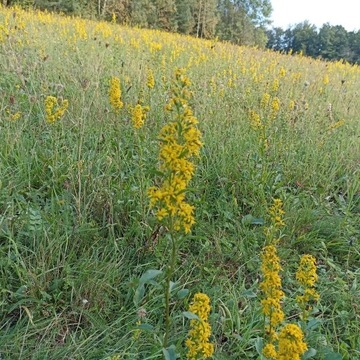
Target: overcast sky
{"x": 317, "y": 12}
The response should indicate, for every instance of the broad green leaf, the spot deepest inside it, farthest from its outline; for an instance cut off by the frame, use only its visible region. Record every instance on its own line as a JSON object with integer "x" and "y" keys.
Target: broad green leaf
{"x": 170, "y": 353}
{"x": 182, "y": 293}
{"x": 139, "y": 294}
{"x": 146, "y": 327}
{"x": 309, "y": 354}
{"x": 149, "y": 275}
{"x": 249, "y": 294}
{"x": 313, "y": 324}
{"x": 333, "y": 356}
{"x": 190, "y": 315}
{"x": 259, "y": 344}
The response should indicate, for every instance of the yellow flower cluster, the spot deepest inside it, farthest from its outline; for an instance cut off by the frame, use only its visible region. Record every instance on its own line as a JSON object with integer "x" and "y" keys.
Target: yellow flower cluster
{"x": 13, "y": 116}
{"x": 291, "y": 343}
{"x": 115, "y": 94}
{"x": 255, "y": 120}
{"x": 271, "y": 287}
{"x": 138, "y": 115}
{"x": 307, "y": 277}
{"x": 275, "y": 85}
{"x": 55, "y": 111}
{"x": 336, "y": 125}
{"x": 150, "y": 81}
{"x": 265, "y": 100}
{"x": 198, "y": 343}
{"x": 180, "y": 141}
{"x": 326, "y": 79}
{"x": 276, "y": 213}
{"x": 275, "y": 105}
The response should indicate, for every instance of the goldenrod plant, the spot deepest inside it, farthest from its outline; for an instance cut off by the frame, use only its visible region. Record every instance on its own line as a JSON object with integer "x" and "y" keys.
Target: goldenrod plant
{"x": 180, "y": 142}
{"x": 197, "y": 343}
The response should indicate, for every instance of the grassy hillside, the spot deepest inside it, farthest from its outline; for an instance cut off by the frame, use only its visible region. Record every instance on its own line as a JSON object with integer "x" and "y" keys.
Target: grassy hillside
{"x": 77, "y": 234}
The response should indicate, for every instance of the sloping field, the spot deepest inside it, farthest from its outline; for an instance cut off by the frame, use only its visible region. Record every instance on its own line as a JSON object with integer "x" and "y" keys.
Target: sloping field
{"x": 279, "y": 165}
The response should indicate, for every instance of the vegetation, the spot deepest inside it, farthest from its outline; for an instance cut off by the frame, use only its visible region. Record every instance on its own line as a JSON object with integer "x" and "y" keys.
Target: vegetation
{"x": 329, "y": 42}
{"x": 113, "y": 245}
{"x": 238, "y": 21}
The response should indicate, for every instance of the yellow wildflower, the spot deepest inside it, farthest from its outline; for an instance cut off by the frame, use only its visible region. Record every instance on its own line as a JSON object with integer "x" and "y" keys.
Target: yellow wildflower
{"x": 139, "y": 115}
{"x": 282, "y": 72}
{"x": 255, "y": 120}
{"x": 307, "y": 277}
{"x": 326, "y": 79}
{"x": 55, "y": 111}
{"x": 265, "y": 100}
{"x": 150, "y": 82}
{"x": 197, "y": 342}
{"x": 115, "y": 94}
{"x": 271, "y": 303}
{"x": 336, "y": 125}
{"x": 276, "y": 213}
{"x": 275, "y": 105}
{"x": 275, "y": 85}
{"x": 291, "y": 105}
{"x": 271, "y": 286}
{"x": 291, "y": 343}
{"x": 180, "y": 140}
{"x": 269, "y": 351}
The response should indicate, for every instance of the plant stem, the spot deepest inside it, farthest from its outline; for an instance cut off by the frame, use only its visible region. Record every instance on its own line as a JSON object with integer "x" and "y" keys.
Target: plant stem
{"x": 169, "y": 274}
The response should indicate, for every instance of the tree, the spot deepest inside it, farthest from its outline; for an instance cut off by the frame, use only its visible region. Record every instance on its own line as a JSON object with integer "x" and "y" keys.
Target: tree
{"x": 333, "y": 42}
{"x": 205, "y": 16}
{"x": 305, "y": 39}
{"x": 242, "y": 21}
{"x": 184, "y": 19}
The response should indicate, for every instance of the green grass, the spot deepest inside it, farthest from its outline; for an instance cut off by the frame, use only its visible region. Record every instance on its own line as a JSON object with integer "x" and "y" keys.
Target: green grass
{"x": 76, "y": 231}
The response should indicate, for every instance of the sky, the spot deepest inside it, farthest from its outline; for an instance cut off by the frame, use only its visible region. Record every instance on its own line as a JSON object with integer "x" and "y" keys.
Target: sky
{"x": 317, "y": 12}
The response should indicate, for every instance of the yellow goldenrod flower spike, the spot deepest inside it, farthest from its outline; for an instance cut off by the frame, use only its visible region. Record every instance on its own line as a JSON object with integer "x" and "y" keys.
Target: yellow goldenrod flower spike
{"x": 53, "y": 110}
{"x": 180, "y": 141}
{"x": 115, "y": 94}
{"x": 138, "y": 115}
{"x": 276, "y": 213}
{"x": 271, "y": 303}
{"x": 150, "y": 81}
{"x": 307, "y": 277}
{"x": 197, "y": 343}
{"x": 291, "y": 343}
{"x": 271, "y": 286}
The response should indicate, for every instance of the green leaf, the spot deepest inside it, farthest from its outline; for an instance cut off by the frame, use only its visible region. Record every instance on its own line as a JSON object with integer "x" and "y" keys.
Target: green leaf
{"x": 259, "y": 344}
{"x": 139, "y": 294}
{"x": 309, "y": 354}
{"x": 173, "y": 286}
{"x": 145, "y": 327}
{"x": 181, "y": 294}
{"x": 249, "y": 294}
{"x": 149, "y": 275}
{"x": 190, "y": 315}
{"x": 313, "y": 324}
{"x": 251, "y": 220}
{"x": 332, "y": 356}
{"x": 170, "y": 353}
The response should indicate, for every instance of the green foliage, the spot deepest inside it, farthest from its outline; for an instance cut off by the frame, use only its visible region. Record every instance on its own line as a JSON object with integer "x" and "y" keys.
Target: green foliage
{"x": 329, "y": 42}
{"x": 81, "y": 255}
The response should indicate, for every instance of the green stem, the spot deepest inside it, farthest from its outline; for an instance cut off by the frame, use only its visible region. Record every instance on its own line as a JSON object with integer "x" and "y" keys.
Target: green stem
{"x": 170, "y": 271}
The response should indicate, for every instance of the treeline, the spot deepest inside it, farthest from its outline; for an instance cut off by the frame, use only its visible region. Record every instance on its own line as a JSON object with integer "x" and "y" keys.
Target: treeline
{"x": 242, "y": 22}
{"x": 329, "y": 42}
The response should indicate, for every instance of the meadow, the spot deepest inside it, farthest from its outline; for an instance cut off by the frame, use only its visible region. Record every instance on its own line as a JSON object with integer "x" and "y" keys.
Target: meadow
{"x": 84, "y": 252}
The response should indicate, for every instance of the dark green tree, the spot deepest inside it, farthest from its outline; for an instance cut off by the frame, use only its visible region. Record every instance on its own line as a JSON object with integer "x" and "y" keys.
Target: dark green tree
{"x": 184, "y": 16}
{"x": 305, "y": 39}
